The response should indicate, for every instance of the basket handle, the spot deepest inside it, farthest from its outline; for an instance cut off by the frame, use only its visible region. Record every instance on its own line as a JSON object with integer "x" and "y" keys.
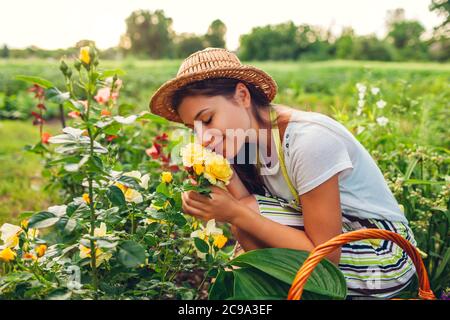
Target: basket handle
{"x": 316, "y": 255}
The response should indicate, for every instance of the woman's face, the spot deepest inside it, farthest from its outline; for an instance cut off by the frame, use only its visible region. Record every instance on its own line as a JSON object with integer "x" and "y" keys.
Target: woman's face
{"x": 218, "y": 122}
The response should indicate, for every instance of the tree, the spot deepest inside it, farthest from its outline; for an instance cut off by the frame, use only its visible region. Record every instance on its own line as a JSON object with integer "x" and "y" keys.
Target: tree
{"x": 405, "y": 35}
{"x": 371, "y": 48}
{"x": 148, "y": 34}
{"x": 442, "y": 8}
{"x": 439, "y": 47}
{"x": 187, "y": 43}
{"x": 5, "y": 52}
{"x": 215, "y": 36}
{"x": 345, "y": 44}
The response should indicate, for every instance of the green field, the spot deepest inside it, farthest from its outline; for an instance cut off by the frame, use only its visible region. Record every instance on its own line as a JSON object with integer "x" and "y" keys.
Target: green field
{"x": 417, "y": 96}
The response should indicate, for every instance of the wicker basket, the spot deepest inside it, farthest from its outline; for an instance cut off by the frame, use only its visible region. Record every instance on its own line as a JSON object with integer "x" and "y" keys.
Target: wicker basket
{"x": 326, "y": 248}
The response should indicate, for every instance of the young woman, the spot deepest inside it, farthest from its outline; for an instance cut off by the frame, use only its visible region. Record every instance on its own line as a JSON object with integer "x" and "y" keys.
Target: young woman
{"x": 317, "y": 181}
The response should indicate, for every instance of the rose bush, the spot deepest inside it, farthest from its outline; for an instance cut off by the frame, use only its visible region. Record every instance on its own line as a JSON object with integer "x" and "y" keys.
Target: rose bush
{"x": 120, "y": 233}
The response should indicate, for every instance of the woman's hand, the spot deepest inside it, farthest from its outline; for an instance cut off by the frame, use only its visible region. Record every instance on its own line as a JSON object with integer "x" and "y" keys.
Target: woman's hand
{"x": 222, "y": 206}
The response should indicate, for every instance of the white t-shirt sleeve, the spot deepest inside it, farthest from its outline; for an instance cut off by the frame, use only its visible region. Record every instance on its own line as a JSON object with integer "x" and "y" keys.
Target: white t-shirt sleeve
{"x": 316, "y": 154}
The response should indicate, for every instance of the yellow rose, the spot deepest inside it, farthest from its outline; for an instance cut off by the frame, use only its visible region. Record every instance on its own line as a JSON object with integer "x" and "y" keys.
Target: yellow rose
{"x": 193, "y": 153}
{"x": 166, "y": 177}
{"x": 100, "y": 256}
{"x": 131, "y": 195}
{"x": 7, "y": 255}
{"x": 12, "y": 241}
{"x": 86, "y": 198}
{"x": 40, "y": 250}
{"x": 84, "y": 55}
{"x": 217, "y": 168}
{"x": 220, "y": 240}
{"x": 199, "y": 168}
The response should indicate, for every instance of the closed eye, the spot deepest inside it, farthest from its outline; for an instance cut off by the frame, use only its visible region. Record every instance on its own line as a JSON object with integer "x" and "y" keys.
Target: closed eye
{"x": 208, "y": 121}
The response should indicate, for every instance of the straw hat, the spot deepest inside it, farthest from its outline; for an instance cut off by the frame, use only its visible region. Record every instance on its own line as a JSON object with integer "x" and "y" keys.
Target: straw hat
{"x": 205, "y": 64}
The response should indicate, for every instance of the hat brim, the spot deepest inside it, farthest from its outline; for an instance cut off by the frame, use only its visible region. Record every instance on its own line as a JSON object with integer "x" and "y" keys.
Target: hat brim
{"x": 161, "y": 101}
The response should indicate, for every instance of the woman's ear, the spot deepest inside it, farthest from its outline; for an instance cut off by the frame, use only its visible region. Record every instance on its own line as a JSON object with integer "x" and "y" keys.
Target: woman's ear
{"x": 242, "y": 95}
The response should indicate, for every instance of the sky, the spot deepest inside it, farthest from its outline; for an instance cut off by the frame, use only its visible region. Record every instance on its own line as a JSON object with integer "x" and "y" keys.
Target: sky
{"x": 53, "y": 24}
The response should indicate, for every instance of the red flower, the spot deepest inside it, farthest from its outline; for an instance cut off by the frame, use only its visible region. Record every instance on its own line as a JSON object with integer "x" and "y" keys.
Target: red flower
{"x": 111, "y": 138}
{"x": 38, "y": 91}
{"x": 163, "y": 137}
{"x": 165, "y": 159}
{"x": 154, "y": 151}
{"x": 174, "y": 168}
{"x": 37, "y": 118}
{"x": 45, "y": 136}
{"x": 41, "y": 106}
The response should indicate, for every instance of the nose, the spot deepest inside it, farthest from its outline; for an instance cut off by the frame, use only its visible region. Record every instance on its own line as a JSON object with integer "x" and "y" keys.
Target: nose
{"x": 206, "y": 140}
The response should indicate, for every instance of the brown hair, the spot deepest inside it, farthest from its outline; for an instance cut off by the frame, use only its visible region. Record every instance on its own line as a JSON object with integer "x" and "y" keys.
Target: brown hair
{"x": 247, "y": 172}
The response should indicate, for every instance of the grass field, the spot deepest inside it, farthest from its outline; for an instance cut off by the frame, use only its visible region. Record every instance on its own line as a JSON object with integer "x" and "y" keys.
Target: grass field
{"x": 21, "y": 183}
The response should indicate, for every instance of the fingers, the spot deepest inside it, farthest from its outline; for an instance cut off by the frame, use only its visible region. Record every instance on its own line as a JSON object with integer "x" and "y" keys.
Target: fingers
{"x": 188, "y": 201}
{"x": 192, "y": 207}
{"x": 197, "y": 196}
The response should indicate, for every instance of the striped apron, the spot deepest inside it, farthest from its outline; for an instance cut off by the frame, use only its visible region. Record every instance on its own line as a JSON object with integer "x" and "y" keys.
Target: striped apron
{"x": 374, "y": 268}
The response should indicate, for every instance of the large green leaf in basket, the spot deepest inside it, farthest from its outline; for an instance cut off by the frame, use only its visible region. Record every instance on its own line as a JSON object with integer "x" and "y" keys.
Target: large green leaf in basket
{"x": 268, "y": 274}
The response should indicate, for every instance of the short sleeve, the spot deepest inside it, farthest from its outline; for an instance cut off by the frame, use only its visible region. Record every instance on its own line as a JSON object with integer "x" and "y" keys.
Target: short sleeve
{"x": 316, "y": 154}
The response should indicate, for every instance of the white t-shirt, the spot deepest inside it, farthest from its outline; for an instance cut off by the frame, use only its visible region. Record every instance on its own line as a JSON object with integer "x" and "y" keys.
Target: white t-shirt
{"x": 316, "y": 147}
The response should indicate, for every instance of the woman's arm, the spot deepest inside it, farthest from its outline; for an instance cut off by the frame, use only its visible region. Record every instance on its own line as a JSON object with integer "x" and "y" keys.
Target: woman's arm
{"x": 237, "y": 189}
{"x": 322, "y": 216}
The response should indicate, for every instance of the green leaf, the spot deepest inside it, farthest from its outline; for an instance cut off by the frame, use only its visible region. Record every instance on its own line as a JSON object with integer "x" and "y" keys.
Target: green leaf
{"x": 423, "y": 182}
{"x": 116, "y": 196}
{"x": 74, "y": 105}
{"x": 410, "y": 168}
{"x": 59, "y": 294}
{"x": 283, "y": 264}
{"x": 178, "y": 219}
{"x": 254, "y": 284}
{"x": 35, "y": 80}
{"x": 42, "y": 219}
{"x": 66, "y": 225}
{"x": 110, "y": 73}
{"x": 201, "y": 245}
{"x": 222, "y": 287}
{"x": 442, "y": 265}
{"x": 162, "y": 188}
{"x": 112, "y": 129}
{"x": 153, "y": 118}
{"x": 53, "y": 94}
{"x": 131, "y": 182}
{"x": 131, "y": 254}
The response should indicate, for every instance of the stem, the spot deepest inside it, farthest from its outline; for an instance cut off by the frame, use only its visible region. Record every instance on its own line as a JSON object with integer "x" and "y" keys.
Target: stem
{"x": 201, "y": 284}
{"x": 133, "y": 223}
{"x": 61, "y": 116}
{"x": 91, "y": 192}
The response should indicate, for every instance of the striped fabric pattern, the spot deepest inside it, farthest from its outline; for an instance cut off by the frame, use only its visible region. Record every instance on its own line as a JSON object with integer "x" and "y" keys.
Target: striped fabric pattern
{"x": 374, "y": 268}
